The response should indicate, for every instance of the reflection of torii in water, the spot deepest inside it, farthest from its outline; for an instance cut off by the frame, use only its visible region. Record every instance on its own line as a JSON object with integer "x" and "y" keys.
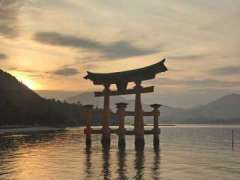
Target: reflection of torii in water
{"x": 121, "y": 79}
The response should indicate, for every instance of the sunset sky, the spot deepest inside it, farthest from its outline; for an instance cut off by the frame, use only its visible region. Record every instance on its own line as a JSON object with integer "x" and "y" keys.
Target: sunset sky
{"x": 50, "y": 44}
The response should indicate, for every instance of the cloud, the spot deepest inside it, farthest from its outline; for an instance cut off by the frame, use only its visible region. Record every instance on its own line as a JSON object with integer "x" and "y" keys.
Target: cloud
{"x": 230, "y": 70}
{"x": 189, "y": 57}
{"x": 66, "y": 72}
{"x": 63, "y": 71}
{"x": 3, "y": 56}
{"x": 115, "y": 50}
{"x": 9, "y": 11}
{"x": 199, "y": 82}
{"x": 212, "y": 90}
{"x": 90, "y": 66}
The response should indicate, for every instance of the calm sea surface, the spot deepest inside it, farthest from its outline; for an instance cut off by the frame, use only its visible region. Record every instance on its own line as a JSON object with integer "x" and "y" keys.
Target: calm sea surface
{"x": 186, "y": 153}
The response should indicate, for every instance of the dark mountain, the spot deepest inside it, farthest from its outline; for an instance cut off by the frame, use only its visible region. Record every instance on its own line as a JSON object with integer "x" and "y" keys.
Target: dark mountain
{"x": 19, "y": 105}
{"x": 16, "y": 100}
{"x": 15, "y": 90}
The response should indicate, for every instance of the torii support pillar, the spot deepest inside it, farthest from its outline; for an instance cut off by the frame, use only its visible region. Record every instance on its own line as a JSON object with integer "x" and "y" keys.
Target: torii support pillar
{"x": 138, "y": 121}
{"x": 121, "y": 129}
{"x": 88, "y": 129}
{"x": 106, "y": 131}
{"x": 156, "y": 129}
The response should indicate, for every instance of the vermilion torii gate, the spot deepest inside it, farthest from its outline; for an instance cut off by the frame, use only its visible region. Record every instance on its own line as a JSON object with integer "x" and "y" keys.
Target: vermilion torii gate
{"x": 121, "y": 79}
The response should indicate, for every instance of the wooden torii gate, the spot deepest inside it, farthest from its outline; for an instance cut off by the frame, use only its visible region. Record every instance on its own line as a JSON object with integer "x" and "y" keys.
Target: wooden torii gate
{"x": 121, "y": 79}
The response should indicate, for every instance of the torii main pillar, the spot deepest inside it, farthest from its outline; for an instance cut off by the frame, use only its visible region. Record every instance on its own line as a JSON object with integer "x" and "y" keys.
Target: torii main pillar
{"x": 106, "y": 131}
{"x": 138, "y": 120}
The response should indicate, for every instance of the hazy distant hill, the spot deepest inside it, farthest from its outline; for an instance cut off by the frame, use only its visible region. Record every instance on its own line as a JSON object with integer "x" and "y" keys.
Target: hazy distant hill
{"x": 223, "y": 110}
{"x": 89, "y": 98}
{"x": 227, "y": 107}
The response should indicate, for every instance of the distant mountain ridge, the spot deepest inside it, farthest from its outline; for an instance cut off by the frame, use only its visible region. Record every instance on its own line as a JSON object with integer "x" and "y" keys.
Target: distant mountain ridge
{"x": 21, "y": 105}
{"x": 226, "y": 107}
{"x": 223, "y": 110}
{"x": 89, "y": 98}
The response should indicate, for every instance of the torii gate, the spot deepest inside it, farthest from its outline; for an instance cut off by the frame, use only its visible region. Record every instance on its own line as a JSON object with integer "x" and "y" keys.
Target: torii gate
{"x": 121, "y": 79}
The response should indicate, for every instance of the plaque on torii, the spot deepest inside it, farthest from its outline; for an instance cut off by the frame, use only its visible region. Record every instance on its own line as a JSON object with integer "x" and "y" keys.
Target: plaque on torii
{"x": 121, "y": 80}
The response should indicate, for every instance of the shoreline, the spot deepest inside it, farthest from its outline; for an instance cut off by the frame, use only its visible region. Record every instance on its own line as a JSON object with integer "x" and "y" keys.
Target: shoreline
{"x": 11, "y": 130}
{"x": 25, "y": 129}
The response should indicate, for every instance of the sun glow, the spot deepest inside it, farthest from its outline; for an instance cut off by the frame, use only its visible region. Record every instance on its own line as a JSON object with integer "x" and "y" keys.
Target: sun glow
{"x": 29, "y": 82}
